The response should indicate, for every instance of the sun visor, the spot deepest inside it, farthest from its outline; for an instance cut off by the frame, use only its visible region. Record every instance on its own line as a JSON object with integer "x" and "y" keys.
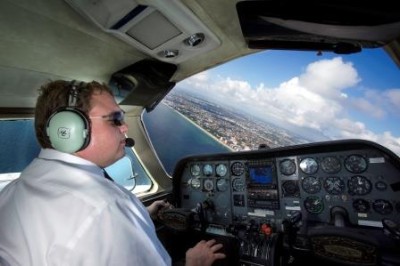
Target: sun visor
{"x": 144, "y": 83}
{"x": 342, "y": 27}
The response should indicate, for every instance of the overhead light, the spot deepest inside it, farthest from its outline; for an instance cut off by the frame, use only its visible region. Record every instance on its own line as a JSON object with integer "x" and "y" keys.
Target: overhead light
{"x": 194, "y": 39}
{"x": 169, "y": 53}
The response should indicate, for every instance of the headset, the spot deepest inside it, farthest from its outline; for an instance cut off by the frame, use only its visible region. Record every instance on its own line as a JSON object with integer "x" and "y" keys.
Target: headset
{"x": 68, "y": 128}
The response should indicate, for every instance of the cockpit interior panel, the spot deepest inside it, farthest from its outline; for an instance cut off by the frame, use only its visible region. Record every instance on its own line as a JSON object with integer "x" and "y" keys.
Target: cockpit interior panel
{"x": 339, "y": 201}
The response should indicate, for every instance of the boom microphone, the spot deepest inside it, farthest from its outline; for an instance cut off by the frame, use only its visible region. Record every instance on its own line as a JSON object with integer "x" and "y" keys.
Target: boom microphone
{"x": 129, "y": 142}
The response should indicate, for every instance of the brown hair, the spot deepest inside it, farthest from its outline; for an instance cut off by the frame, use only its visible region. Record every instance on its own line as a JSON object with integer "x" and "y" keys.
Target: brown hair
{"x": 54, "y": 96}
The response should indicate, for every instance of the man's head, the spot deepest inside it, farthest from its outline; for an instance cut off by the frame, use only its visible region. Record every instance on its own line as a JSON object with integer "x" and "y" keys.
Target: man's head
{"x": 96, "y": 103}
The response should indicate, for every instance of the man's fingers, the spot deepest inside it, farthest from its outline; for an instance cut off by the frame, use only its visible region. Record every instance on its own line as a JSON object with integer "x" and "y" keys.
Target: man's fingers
{"x": 219, "y": 256}
{"x": 210, "y": 243}
{"x": 216, "y": 247}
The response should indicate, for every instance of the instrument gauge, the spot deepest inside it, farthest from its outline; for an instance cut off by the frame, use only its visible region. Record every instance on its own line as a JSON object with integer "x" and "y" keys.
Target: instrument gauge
{"x": 314, "y": 204}
{"x": 287, "y": 167}
{"x": 238, "y": 184}
{"x": 361, "y": 205}
{"x": 359, "y": 185}
{"x": 380, "y": 185}
{"x": 195, "y": 169}
{"x": 309, "y": 166}
{"x": 222, "y": 184}
{"x": 221, "y": 169}
{"x": 311, "y": 184}
{"x": 207, "y": 169}
{"x": 195, "y": 183}
{"x": 290, "y": 188}
{"x": 331, "y": 165}
{"x": 237, "y": 168}
{"x": 355, "y": 164}
{"x": 208, "y": 185}
{"x": 334, "y": 185}
{"x": 382, "y": 206}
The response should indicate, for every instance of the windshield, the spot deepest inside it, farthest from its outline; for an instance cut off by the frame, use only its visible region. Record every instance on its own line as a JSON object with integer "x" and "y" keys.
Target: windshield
{"x": 279, "y": 98}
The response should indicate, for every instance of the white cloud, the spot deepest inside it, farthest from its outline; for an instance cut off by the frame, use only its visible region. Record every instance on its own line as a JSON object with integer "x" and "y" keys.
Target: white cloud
{"x": 368, "y": 107}
{"x": 318, "y": 99}
{"x": 329, "y": 77}
{"x": 393, "y": 97}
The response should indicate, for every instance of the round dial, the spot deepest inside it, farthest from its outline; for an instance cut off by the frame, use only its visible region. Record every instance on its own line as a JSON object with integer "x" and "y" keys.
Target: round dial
{"x": 382, "y": 206}
{"x": 237, "y": 168}
{"x": 195, "y": 183}
{"x": 208, "y": 184}
{"x": 331, "y": 165}
{"x": 195, "y": 169}
{"x": 238, "y": 184}
{"x": 311, "y": 184}
{"x": 290, "y": 188}
{"x": 314, "y": 204}
{"x": 309, "y": 166}
{"x": 355, "y": 164}
{"x": 221, "y": 170}
{"x": 287, "y": 167}
{"x": 359, "y": 185}
{"x": 334, "y": 185}
{"x": 222, "y": 184}
{"x": 207, "y": 169}
{"x": 361, "y": 205}
{"x": 380, "y": 185}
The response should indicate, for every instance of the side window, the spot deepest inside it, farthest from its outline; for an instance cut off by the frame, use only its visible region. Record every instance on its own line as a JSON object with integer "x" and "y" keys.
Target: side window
{"x": 18, "y": 148}
{"x": 129, "y": 172}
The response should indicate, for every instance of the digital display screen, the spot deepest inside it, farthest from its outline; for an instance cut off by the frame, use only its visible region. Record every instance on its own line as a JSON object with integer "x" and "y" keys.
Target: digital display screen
{"x": 260, "y": 175}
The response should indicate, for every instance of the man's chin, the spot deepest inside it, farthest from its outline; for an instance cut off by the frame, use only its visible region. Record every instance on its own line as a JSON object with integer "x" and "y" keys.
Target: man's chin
{"x": 121, "y": 154}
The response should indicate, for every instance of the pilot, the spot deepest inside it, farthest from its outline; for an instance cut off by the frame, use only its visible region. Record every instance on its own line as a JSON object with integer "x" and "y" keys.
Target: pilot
{"x": 62, "y": 210}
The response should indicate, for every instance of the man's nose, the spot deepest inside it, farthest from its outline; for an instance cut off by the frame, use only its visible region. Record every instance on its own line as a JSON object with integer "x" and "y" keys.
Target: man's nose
{"x": 124, "y": 128}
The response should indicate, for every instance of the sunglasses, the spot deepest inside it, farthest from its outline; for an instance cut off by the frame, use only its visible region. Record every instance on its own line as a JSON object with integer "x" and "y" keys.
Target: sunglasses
{"x": 117, "y": 118}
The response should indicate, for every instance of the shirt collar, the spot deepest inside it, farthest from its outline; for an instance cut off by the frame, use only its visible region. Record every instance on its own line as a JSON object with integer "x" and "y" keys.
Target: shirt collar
{"x": 70, "y": 159}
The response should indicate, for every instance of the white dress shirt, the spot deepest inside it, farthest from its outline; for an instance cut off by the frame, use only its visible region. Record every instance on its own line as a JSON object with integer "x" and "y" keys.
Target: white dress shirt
{"x": 62, "y": 211}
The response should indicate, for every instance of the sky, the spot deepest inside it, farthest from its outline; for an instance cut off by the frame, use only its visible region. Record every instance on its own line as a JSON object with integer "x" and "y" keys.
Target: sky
{"x": 320, "y": 97}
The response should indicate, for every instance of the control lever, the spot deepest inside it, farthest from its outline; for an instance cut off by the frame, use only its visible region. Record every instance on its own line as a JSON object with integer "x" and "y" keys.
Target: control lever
{"x": 290, "y": 228}
{"x": 294, "y": 218}
{"x": 391, "y": 228}
{"x": 289, "y": 224}
{"x": 201, "y": 210}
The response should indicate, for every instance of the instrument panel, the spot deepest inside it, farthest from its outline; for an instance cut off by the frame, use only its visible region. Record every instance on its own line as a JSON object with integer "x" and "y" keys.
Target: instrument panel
{"x": 338, "y": 201}
{"x": 359, "y": 177}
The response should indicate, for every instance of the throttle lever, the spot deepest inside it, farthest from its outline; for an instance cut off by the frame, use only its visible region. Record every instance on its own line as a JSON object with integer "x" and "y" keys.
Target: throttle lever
{"x": 295, "y": 217}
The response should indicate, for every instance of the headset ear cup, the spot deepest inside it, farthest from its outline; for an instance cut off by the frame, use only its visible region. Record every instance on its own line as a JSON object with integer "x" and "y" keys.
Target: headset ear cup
{"x": 68, "y": 130}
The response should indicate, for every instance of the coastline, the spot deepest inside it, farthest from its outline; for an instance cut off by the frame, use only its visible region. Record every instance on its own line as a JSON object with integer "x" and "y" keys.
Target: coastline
{"x": 199, "y": 127}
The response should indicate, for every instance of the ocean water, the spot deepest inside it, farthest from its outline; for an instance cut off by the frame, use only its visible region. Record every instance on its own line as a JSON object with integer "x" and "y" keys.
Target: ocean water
{"x": 175, "y": 137}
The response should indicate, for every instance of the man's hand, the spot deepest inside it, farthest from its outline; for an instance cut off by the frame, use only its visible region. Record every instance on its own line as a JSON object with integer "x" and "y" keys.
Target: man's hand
{"x": 156, "y": 206}
{"x": 204, "y": 253}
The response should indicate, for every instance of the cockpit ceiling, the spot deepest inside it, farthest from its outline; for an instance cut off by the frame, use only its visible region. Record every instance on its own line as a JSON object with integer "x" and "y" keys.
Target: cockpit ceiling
{"x": 165, "y": 30}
